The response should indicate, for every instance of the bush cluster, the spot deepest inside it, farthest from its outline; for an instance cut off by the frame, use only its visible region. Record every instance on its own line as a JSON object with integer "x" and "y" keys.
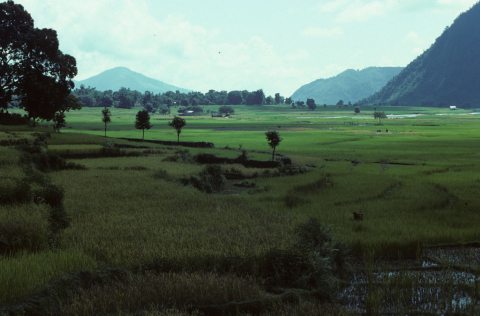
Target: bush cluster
{"x": 210, "y": 180}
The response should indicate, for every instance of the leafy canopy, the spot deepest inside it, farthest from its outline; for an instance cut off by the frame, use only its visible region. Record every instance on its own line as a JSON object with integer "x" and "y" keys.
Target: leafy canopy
{"x": 33, "y": 71}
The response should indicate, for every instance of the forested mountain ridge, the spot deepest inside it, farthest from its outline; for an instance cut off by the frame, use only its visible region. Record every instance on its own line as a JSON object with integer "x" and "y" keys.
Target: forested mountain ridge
{"x": 350, "y": 85}
{"x": 445, "y": 74}
{"x": 119, "y": 77}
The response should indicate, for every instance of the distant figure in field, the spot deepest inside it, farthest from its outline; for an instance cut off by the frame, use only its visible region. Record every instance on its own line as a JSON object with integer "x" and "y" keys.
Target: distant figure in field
{"x": 358, "y": 216}
{"x": 386, "y": 130}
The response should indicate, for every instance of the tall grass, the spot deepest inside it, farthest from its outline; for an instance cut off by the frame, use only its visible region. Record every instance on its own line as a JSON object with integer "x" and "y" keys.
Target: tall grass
{"x": 24, "y": 273}
{"x": 146, "y": 292}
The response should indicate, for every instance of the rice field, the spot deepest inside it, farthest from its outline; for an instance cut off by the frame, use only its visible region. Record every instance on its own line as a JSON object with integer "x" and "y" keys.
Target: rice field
{"x": 417, "y": 186}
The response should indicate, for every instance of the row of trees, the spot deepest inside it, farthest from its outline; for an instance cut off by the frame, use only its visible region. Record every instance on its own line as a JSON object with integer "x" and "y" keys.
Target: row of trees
{"x": 142, "y": 121}
{"x": 126, "y": 98}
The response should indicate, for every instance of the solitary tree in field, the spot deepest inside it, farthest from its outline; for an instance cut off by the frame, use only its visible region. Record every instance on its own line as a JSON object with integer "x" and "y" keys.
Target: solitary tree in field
{"x": 59, "y": 121}
{"x": 357, "y": 110}
{"x": 142, "y": 121}
{"x": 311, "y": 104}
{"x": 177, "y": 123}
{"x": 379, "y": 115}
{"x": 274, "y": 140}
{"x": 106, "y": 118}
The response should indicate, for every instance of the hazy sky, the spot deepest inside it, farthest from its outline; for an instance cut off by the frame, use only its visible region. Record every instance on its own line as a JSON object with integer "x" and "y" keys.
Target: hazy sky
{"x": 276, "y": 45}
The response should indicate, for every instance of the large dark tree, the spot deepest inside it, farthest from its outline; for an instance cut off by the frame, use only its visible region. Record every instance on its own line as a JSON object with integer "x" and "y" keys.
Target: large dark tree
{"x": 142, "y": 121}
{"x": 311, "y": 104}
{"x": 177, "y": 123}
{"x": 235, "y": 98}
{"x": 274, "y": 140}
{"x": 32, "y": 68}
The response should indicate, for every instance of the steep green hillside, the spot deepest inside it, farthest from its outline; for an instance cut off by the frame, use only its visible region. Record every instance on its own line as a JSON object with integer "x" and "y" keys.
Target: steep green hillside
{"x": 351, "y": 85}
{"x": 119, "y": 77}
{"x": 445, "y": 74}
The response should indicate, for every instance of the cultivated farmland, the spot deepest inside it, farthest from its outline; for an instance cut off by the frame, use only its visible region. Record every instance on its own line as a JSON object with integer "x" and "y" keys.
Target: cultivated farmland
{"x": 121, "y": 227}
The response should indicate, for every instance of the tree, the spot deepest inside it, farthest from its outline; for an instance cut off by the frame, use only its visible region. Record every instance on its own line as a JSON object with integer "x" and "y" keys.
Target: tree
{"x": 379, "y": 115}
{"x": 59, "y": 121}
{"x": 235, "y": 98}
{"x": 340, "y": 102}
{"x": 32, "y": 68}
{"x": 106, "y": 118}
{"x": 274, "y": 140}
{"x": 311, "y": 104}
{"x": 105, "y": 101}
{"x": 226, "y": 109}
{"x": 288, "y": 100}
{"x": 269, "y": 100}
{"x": 142, "y": 121}
{"x": 278, "y": 98}
{"x": 357, "y": 110}
{"x": 177, "y": 123}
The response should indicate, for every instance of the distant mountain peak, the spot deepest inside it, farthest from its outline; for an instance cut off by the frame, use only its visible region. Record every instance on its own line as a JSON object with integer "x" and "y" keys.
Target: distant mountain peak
{"x": 350, "y": 86}
{"x": 445, "y": 74}
{"x": 118, "y": 77}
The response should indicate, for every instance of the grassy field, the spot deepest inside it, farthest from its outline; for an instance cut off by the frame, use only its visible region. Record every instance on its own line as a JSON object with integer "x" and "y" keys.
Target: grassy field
{"x": 417, "y": 186}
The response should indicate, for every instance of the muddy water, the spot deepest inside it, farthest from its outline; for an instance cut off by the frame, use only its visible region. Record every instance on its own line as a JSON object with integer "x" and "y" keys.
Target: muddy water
{"x": 446, "y": 281}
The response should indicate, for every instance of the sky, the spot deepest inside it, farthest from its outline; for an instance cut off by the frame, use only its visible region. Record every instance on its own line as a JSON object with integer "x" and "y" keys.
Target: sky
{"x": 274, "y": 45}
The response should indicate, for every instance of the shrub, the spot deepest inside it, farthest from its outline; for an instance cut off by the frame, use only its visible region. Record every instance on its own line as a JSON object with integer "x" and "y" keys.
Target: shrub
{"x": 210, "y": 180}
{"x": 160, "y": 174}
{"x": 315, "y": 262}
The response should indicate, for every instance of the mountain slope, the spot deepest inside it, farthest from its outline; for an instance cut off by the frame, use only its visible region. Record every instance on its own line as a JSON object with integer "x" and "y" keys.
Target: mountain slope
{"x": 350, "y": 85}
{"x": 118, "y": 77}
{"x": 445, "y": 74}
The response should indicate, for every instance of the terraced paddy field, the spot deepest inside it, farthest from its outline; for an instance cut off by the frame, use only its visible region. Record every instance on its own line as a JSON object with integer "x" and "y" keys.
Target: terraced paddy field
{"x": 94, "y": 225}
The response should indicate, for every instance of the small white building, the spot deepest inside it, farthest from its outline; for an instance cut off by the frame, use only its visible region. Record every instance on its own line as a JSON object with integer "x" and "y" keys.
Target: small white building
{"x": 453, "y": 107}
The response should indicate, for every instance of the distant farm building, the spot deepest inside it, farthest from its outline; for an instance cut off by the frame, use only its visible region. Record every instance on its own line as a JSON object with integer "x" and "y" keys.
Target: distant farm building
{"x": 453, "y": 107}
{"x": 187, "y": 113}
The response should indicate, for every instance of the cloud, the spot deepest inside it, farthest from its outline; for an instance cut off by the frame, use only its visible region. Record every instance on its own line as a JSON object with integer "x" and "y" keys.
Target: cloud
{"x": 457, "y": 3}
{"x": 111, "y": 33}
{"x": 322, "y": 32}
{"x": 417, "y": 51}
{"x": 360, "y": 12}
{"x": 413, "y": 37}
{"x": 332, "y": 6}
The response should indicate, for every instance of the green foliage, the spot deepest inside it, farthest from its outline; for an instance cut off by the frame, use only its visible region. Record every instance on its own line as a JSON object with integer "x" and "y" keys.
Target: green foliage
{"x": 274, "y": 140}
{"x": 34, "y": 70}
{"x": 106, "y": 118}
{"x": 177, "y": 123}
{"x": 311, "y": 104}
{"x": 142, "y": 121}
{"x": 226, "y": 110}
{"x": 210, "y": 180}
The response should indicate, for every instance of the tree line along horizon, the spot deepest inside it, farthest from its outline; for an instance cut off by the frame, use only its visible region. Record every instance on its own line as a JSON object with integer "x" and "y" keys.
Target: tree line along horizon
{"x": 125, "y": 98}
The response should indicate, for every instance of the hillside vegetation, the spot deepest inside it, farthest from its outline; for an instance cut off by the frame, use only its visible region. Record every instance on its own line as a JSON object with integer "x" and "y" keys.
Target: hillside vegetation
{"x": 349, "y": 86}
{"x": 445, "y": 74}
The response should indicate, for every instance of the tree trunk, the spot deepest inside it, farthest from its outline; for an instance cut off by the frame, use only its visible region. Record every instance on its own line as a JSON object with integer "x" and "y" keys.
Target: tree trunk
{"x": 178, "y": 138}
{"x": 143, "y": 136}
{"x": 273, "y": 154}
{"x": 105, "y": 129}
